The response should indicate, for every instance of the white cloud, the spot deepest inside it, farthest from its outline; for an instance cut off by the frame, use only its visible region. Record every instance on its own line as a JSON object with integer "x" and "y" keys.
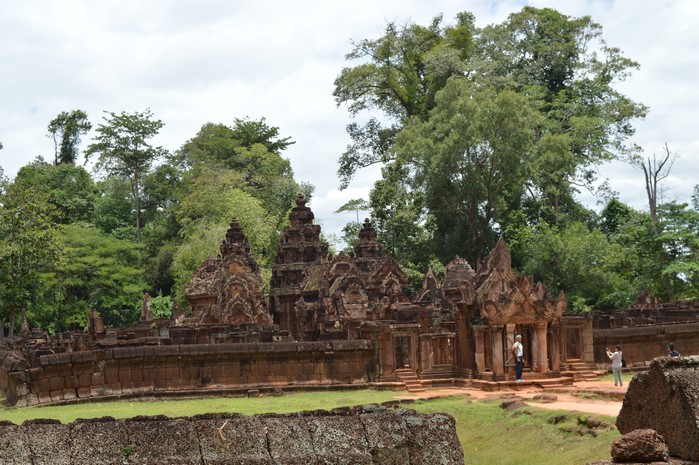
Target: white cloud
{"x": 214, "y": 60}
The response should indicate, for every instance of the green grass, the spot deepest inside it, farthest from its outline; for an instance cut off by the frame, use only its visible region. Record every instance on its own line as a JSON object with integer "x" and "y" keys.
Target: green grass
{"x": 175, "y": 408}
{"x": 491, "y": 435}
{"x": 625, "y": 376}
{"x": 488, "y": 434}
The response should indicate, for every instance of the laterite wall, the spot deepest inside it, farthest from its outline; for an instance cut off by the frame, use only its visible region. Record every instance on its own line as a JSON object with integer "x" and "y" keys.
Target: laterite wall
{"x": 641, "y": 344}
{"x": 146, "y": 370}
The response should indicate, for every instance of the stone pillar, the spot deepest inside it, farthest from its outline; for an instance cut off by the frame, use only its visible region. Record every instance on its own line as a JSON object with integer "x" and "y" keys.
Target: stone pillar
{"x": 479, "y": 336}
{"x": 508, "y": 355}
{"x": 426, "y": 360}
{"x": 555, "y": 346}
{"x": 465, "y": 358}
{"x": 542, "y": 351}
{"x": 498, "y": 359}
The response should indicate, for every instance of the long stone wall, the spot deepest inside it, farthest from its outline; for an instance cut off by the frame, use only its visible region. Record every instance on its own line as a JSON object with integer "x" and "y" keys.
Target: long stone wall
{"x": 369, "y": 435}
{"x": 641, "y": 344}
{"x": 154, "y": 370}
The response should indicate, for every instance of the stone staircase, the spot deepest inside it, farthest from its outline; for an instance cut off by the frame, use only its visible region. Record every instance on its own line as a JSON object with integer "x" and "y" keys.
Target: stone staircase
{"x": 554, "y": 383}
{"x": 410, "y": 379}
{"x": 581, "y": 371}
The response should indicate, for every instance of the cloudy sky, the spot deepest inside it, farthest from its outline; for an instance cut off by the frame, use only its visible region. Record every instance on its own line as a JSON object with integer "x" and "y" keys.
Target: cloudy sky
{"x": 193, "y": 62}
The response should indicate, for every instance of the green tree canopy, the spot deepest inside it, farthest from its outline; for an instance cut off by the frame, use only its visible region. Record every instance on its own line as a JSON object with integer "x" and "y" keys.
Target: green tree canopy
{"x": 69, "y": 188}
{"x": 98, "y": 271}
{"x": 580, "y": 261}
{"x": 29, "y": 249}
{"x": 398, "y": 75}
{"x": 205, "y": 215}
{"x": 568, "y": 73}
{"x": 124, "y": 148}
{"x": 470, "y": 158}
{"x": 475, "y": 124}
{"x": 66, "y": 129}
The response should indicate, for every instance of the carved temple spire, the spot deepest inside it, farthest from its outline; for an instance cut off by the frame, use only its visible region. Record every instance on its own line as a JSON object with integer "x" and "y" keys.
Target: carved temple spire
{"x": 368, "y": 246}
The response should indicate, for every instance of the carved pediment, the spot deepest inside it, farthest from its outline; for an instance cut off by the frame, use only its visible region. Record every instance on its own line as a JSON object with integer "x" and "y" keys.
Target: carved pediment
{"x": 238, "y": 310}
{"x": 387, "y": 266}
{"x": 458, "y": 272}
{"x": 506, "y": 298}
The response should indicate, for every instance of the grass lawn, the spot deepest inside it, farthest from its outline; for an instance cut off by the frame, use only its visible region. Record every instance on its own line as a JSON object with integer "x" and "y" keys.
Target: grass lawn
{"x": 488, "y": 434}
{"x": 625, "y": 376}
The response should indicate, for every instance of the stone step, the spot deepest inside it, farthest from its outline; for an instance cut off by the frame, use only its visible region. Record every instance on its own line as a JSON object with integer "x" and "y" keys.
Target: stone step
{"x": 410, "y": 379}
{"x": 553, "y": 387}
{"x": 414, "y": 388}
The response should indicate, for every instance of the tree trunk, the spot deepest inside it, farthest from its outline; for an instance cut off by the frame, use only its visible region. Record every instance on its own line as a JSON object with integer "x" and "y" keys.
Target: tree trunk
{"x": 11, "y": 331}
{"x": 135, "y": 190}
{"x": 654, "y": 172}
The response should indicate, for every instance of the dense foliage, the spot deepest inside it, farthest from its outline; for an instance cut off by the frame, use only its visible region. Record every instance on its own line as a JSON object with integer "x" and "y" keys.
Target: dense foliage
{"x": 489, "y": 132}
{"x": 142, "y": 222}
{"x": 480, "y": 132}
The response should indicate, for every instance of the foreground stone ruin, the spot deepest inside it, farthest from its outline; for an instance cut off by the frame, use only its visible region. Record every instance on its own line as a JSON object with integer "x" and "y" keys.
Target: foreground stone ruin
{"x": 368, "y": 435}
{"x": 666, "y": 399}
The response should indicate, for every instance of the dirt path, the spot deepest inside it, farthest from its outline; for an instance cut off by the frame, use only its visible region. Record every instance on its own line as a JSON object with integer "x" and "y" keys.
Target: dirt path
{"x": 602, "y": 403}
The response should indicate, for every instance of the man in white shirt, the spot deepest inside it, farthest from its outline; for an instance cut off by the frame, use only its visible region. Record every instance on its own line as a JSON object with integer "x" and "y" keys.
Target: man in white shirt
{"x": 518, "y": 352}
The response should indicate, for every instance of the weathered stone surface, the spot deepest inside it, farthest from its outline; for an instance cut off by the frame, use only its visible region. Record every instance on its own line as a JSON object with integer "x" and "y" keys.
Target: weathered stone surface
{"x": 640, "y": 445}
{"x": 13, "y": 444}
{"x": 388, "y": 437}
{"x": 512, "y": 404}
{"x": 666, "y": 399}
{"x": 99, "y": 441}
{"x": 370, "y": 435}
{"x": 546, "y": 398}
{"x": 49, "y": 442}
{"x": 433, "y": 439}
{"x": 280, "y": 430}
{"x": 162, "y": 440}
{"x": 668, "y": 461}
{"x": 339, "y": 439}
{"x": 232, "y": 440}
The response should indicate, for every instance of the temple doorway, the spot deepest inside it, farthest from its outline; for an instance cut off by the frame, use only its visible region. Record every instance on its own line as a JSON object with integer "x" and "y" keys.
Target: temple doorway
{"x": 509, "y": 339}
{"x": 574, "y": 343}
{"x": 403, "y": 352}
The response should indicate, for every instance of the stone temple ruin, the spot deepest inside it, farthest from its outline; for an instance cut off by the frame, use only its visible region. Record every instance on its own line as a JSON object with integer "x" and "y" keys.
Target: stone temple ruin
{"x": 342, "y": 321}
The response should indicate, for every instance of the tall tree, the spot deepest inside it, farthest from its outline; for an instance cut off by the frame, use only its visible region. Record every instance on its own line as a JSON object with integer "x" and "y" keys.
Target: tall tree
{"x": 250, "y": 148}
{"x": 99, "y": 271}
{"x": 552, "y": 80}
{"x": 678, "y": 243}
{"x": 470, "y": 160}
{"x": 568, "y": 73}
{"x": 66, "y": 130}
{"x": 655, "y": 171}
{"x": 222, "y": 144}
{"x": 399, "y": 76}
{"x": 28, "y": 248}
{"x": 69, "y": 188}
{"x": 122, "y": 143}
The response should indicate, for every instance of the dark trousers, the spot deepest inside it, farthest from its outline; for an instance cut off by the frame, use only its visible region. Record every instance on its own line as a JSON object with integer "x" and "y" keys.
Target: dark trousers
{"x": 519, "y": 366}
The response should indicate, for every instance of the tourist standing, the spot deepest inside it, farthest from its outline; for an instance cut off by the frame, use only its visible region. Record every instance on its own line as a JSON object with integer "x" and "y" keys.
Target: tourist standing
{"x": 518, "y": 352}
{"x": 672, "y": 351}
{"x": 616, "y": 358}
